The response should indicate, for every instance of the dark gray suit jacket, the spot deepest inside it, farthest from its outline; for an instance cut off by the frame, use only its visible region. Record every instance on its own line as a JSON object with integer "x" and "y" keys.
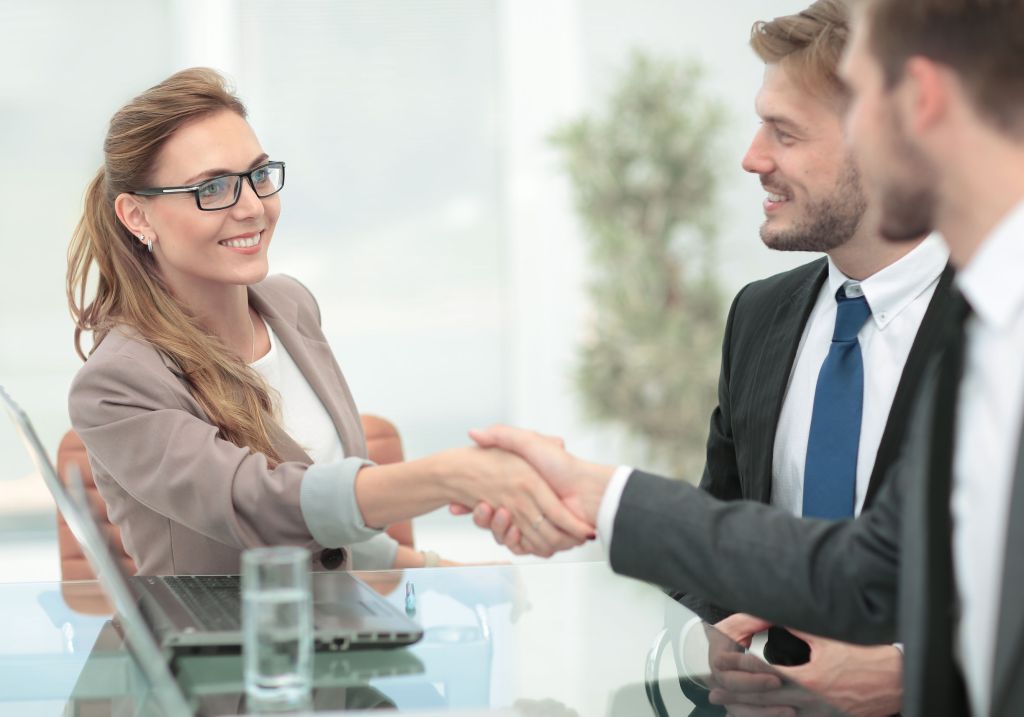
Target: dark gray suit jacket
{"x": 861, "y": 580}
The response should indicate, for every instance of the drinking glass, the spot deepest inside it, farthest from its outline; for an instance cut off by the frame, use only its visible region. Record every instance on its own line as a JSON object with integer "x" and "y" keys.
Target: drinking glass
{"x": 277, "y": 627}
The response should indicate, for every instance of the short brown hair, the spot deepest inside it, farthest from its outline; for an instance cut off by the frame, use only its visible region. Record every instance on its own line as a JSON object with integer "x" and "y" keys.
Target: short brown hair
{"x": 981, "y": 40}
{"x": 810, "y": 43}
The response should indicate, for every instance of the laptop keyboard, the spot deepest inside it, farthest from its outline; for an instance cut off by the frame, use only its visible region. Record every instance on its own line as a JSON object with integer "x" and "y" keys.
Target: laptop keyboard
{"x": 214, "y": 600}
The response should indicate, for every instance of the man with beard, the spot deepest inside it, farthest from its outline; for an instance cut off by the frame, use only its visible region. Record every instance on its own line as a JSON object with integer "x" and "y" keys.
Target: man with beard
{"x": 813, "y": 409}
{"x": 936, "y": 121}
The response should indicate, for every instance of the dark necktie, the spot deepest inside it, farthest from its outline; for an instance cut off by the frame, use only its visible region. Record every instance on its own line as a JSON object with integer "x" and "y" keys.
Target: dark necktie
{"x": 830, "y": 473}
{"x": 943, "y": 691}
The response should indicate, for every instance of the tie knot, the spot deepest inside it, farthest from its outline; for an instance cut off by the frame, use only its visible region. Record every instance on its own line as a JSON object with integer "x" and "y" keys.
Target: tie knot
{"x": 851, "y": 313}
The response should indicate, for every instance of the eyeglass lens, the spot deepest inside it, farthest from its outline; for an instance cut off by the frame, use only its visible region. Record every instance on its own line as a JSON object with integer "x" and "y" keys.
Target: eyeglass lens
{"x": 221, "y": 192}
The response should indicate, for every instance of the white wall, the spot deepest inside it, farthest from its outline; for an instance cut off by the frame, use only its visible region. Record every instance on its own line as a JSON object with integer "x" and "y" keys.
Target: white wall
{"x": 562, "y": 59}
{"x": 424, "y": 206}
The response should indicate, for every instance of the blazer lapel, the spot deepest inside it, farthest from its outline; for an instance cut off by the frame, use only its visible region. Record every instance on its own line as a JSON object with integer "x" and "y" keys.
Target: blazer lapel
{"x": 933, "y": 326}
{"x": 1010, "y": 630}
{"x": 316, "y": 362}
{"x": 771, "y": 378}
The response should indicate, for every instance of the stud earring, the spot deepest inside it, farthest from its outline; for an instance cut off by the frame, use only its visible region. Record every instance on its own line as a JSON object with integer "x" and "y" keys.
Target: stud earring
{"x": 149, "y": 245}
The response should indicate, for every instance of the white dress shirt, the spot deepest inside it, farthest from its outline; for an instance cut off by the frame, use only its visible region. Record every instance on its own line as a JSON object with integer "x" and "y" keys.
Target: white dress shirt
{"x": 303, "y": 415}
{"x": 898, "y": 296}
{"x": 988, "y": 434}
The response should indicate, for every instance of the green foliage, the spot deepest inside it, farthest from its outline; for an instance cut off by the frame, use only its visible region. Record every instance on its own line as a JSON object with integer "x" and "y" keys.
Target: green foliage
{"x": 645, "y": 182}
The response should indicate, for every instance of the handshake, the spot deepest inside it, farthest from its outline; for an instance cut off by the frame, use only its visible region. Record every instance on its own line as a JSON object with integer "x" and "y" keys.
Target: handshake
{"x": 532, "y": 494}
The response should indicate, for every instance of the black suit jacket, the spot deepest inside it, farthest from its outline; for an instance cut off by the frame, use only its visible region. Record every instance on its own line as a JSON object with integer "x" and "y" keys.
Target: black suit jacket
{"x": 866, "y": 580}
{"x": 766, "y": 322}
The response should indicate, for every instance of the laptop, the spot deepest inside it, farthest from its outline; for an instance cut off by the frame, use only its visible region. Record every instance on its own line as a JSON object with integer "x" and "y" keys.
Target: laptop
{"x": 213, "y": 683}
{"x": 202, "y": 613}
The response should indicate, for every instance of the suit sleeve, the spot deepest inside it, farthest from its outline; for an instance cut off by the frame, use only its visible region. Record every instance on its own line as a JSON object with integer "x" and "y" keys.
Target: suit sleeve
{"x": 836, "y": 579}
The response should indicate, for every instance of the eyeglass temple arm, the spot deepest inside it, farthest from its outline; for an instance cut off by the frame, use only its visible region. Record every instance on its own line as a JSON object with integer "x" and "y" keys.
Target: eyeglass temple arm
{"x": 165, "y": 190}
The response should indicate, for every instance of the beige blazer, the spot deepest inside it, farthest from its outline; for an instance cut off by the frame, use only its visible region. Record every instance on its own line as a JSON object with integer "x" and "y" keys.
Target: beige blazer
{"x": 188, "y": 502}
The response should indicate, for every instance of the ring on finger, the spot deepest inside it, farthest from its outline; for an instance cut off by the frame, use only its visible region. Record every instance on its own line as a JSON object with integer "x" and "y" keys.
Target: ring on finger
{"x": 536, "y": 524}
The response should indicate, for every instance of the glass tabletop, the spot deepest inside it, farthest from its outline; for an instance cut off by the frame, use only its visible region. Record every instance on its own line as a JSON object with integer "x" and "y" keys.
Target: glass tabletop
{"x": 541, "y": 640}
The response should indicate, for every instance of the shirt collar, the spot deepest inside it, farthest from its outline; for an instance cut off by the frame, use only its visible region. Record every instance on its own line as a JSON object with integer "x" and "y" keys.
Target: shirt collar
{"x": 991, "y": 280}
{"x": 894, "y": 288}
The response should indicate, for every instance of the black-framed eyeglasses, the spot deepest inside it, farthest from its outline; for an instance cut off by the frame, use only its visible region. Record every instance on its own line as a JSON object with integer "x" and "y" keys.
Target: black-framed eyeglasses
{"x": 224, "y": 191}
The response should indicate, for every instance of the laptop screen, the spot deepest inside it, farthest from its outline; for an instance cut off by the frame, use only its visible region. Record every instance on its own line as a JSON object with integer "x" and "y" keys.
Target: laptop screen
{"x": 74, "y": 506}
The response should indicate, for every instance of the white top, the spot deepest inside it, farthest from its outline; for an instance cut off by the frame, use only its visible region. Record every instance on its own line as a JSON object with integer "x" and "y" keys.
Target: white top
{"x": 306, "y": 420}
{"x": 988, "y": 434}
{"x": 303, "y": 416}
{"x": 898, "y": 296}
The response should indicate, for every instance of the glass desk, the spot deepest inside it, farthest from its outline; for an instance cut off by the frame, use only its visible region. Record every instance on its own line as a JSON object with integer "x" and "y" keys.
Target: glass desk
{"x": 540, "y": 640}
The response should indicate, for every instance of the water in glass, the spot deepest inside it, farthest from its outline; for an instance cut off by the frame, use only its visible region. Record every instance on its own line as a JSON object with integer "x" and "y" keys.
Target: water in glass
{"x": 278, "y": 635}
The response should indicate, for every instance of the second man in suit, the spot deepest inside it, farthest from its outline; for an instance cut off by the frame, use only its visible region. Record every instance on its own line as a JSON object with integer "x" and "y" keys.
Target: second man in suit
{"x": 833, "y": 348}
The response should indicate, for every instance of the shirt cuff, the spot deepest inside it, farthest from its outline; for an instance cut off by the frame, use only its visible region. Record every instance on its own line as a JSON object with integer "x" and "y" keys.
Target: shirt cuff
{"x": 377, "y": 553}
{"x": 610, "y": 506}
{"x": 899, "y": 646}
{"x": 327, "y": 498}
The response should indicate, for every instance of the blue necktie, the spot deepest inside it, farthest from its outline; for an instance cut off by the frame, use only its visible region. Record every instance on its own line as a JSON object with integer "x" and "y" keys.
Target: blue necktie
{"x": 830, "y": 473}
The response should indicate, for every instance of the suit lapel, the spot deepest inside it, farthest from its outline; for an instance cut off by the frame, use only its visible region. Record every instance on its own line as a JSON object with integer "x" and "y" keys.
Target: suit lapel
{"x": 315, "y": 361}
{"x": 928, "y": 335}
{"x": 772, "y": 372}
{"x": 944, "y": 691}
{"x": 1010, "y": 629}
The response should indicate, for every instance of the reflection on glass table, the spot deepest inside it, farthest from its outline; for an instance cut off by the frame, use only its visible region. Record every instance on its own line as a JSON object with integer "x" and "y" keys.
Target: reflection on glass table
{"x": 716, "y": 676}
{"x": 540, "y": 640}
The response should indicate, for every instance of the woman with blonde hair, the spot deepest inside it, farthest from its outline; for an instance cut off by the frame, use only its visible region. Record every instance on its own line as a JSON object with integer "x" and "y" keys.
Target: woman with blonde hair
{"x": 214, "y": 413}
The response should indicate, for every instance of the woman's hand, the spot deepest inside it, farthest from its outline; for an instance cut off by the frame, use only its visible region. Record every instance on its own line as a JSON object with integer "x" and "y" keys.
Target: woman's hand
{"x": 579, "y": 485}
{"x": 497, "y": 478}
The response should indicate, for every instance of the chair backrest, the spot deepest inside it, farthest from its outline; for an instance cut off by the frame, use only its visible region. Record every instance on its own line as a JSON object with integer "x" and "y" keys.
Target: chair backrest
{"x": 383, "y": 446}
{"x": 73, "y": 565}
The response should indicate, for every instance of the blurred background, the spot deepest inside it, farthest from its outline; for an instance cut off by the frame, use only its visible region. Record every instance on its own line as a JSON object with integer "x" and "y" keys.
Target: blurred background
{"x": 454, "y": 246}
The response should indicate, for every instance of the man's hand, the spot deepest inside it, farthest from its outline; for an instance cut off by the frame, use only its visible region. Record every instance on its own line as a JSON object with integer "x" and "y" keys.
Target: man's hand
{"x": 580, "y": 485}
{"x": 860, "y": 681}
{"x": 490, "y": 475}
{"x": 747, "y": 686}
{"x": 499, "y": 521}
{"x": 567, "y": 475}
{"x": 741, "y": 628}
